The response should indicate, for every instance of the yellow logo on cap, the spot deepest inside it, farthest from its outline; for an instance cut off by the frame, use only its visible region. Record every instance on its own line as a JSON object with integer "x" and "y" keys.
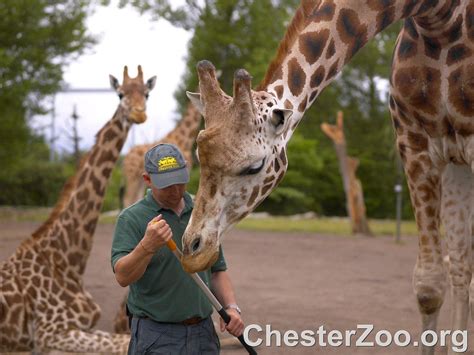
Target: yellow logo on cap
{"x": 167, "y": 163}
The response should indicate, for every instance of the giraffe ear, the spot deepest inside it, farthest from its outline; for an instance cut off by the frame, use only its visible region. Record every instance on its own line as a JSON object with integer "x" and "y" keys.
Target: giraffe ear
{"x": 195, "y": 98}
{"x": 150, "y": 83}
{"x": 114, "y": 83}
{"x": 280, "y": 120}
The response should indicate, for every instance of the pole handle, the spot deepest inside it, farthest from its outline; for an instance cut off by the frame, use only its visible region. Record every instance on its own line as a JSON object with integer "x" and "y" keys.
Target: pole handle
{"x": 171, "y": 245}
{"x": 225, "y": 316}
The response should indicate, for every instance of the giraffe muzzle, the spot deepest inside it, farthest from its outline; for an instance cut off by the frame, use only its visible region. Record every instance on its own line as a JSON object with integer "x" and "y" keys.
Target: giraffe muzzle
{"x": 198, "y": 254}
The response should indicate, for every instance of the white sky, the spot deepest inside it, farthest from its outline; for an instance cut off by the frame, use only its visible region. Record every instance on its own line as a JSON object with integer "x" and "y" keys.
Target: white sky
{"x": 125, "y": 38}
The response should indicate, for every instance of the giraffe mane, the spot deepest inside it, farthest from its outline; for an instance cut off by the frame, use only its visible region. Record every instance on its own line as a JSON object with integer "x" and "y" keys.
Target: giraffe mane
{"x": 62, "y": 201}
{"x": 297, "y": 24}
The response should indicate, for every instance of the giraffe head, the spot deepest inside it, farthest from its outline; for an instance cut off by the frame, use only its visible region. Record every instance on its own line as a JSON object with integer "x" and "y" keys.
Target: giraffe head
{"x": 133, "y": 94}
{"x": 242, "y": 156}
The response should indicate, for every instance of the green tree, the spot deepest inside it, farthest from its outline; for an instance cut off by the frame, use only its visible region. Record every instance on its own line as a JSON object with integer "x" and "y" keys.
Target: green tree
{"x": 37, "y": 39}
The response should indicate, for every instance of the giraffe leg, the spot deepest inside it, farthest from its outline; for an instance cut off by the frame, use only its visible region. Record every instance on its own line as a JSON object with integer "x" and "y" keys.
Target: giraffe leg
{"x": 457, "y": 184}
{"x": 429, "y": 277}
{"x": 95, "y": 341}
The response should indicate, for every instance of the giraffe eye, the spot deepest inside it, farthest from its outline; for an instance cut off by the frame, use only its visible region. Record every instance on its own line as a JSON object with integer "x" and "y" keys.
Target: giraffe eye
{"x": 253, "y": 169}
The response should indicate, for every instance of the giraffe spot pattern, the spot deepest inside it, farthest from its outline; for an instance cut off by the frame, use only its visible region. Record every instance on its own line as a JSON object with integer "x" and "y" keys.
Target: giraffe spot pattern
{"x": 331, "y": 49}
{"x": 420, "y": 86}
{"x": 317, "y": 77}
{"x": 253, "y": 196}
{"x": 461, "y": 90}
{"x": 296, "y": 77}
{"x": 458, "y": 53}
{"x": 432, "y": 47}
{"x": 279, "y": 91}
{"x": 325, "y": 12}
{"x": 351, "y": 31}
{"x": 417, "y": 141}
{"x": 410, "y": 28}
{"x": 407, "y": 48}
{"x": 312, "y": 45}
{"x": 470, "y": 21}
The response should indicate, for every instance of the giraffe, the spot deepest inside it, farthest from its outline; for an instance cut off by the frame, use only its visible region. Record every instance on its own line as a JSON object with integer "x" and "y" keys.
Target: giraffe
{"x": 242, "y": 150}
{"x": 183, "y": 136}
{"x": 43, "y": 302}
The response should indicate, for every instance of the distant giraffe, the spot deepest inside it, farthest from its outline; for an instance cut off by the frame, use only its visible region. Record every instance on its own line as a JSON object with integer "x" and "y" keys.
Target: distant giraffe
{"x": 43, "y": 303}
{"x": 242, "y": 150}
{"x": 183, "y": 136}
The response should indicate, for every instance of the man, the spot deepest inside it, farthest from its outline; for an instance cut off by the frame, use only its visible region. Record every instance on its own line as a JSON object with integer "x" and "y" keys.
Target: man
{"x": 171, "y": 315}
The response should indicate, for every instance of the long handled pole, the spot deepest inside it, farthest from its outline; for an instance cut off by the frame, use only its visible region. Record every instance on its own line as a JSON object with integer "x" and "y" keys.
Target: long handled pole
{"x": 216, "y": 304}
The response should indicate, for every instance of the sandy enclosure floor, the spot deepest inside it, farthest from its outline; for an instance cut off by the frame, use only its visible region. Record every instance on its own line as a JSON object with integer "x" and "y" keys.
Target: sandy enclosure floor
{"x": 292, "y": 281}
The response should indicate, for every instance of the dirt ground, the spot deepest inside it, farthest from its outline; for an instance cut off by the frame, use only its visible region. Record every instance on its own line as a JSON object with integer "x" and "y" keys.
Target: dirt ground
{"x": 292, "y": 281}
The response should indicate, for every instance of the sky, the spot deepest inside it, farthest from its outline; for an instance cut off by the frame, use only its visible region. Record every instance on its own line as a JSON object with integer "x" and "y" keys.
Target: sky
{"x": 125, "y": 38}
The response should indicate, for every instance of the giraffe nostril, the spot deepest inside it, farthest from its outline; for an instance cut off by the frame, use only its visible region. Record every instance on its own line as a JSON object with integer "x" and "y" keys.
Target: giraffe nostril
{"x": 195, "y": 245}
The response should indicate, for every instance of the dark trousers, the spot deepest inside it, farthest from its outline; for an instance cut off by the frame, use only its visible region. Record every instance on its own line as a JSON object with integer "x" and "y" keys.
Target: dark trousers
{"x": 150, "y": 337}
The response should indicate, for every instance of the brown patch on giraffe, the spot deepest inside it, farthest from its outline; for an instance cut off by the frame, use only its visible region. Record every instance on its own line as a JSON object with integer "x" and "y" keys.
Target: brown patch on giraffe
{"x": 332, "y": 70}
{"x": 417, "y": 141}
{"x": 279, "y": 91}
{"x": 331, "y": 49}
{"x": 407, "y": 48}
{"x": 302, "y": 105}
{"x": 96, "y": 184}
{"x": 458, "y": 53}
{"x": 420, "y": 86}
{"x": 268, "y": 179}
{"x": 469, "y": 21}
{"x": 415, "y": 170}
{"x": 386, "y": 12}
{"x": 312, "y": 44}
{"x": 288, "y": 105}
{"x": 432, "y": 47}
{"x": 82, "y": 195}
{"x": 213, "y": 190}
{"x": 325, "y": 12}
{"x": 277, "y": 165}
{"x": 313, "y": 95}
{"x": 430, "y": 211}
{"x": 351, "y": 31}
{"x": 398, "y": 127}
{"x": 279, "y": 178}
{"x": 109, "y": 134}
{"x": 426, "y": 192}
{"x": 454, "y": 33}
{"x": 317, "y": 77}
{"x": 253, "y": 196}
{"x": 461, "y": 90}
{"x": 105, "y": 157}
{"x": 410, "y": 28}
{"x": 448, "y": 129}
{"x": 265, "y": 189}
{"x": 296, "y": 77}
{"x": 430, "y": 126}
{"x": 106, "y": 172}
{"x": 402, "y": 148}
{"x": 409, "y": 7}
{"x": 283, "y": 156}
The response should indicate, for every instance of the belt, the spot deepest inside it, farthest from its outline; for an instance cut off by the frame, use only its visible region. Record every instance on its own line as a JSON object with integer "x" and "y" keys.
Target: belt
{"x": 189, "y": 321}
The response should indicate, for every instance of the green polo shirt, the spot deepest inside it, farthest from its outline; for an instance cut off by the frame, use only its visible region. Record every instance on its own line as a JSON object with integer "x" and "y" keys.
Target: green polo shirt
{"x": 165, "y": 292}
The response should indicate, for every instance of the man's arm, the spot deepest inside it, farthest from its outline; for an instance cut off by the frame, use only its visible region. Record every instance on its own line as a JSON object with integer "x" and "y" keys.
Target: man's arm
{"x": 132, "y": 266}
{"x": 224, "y": 292}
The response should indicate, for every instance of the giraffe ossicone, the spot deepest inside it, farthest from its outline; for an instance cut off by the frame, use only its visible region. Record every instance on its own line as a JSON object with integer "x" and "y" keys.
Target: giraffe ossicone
{"x": 43, "y": 303}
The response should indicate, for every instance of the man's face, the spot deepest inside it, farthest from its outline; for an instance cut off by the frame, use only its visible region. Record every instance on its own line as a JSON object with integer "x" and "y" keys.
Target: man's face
{"x": 169, "y": 196}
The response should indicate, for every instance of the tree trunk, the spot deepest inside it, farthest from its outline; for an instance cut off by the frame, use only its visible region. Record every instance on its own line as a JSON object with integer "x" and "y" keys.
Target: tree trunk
{"x": 352, "y": 187}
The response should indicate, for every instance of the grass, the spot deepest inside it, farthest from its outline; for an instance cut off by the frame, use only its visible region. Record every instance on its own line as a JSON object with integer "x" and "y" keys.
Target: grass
{"x": 320, "y": 225}
{"x": 324, "y": 225}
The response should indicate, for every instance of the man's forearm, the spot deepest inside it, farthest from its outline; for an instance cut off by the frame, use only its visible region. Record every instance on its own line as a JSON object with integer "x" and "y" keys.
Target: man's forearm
{"x": 131, "y": 267}
{"x": 222, "y": 288}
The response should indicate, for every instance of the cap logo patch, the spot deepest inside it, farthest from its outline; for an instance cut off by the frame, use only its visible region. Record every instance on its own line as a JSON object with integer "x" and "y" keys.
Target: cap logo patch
{"x": 167, "y": 163}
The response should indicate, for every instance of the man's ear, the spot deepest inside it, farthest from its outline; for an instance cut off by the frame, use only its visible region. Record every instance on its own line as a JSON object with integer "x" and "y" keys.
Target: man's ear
{"x": 280, "y": 119}
{"x": 195, "y": 98}
{"x": 146, "y": 178}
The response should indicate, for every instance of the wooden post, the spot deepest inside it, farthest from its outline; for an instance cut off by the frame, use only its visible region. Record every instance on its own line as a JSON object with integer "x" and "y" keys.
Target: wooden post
{"x": 352, "y": 187}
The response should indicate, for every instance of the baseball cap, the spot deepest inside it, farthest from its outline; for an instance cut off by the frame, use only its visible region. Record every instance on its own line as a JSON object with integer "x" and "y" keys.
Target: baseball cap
{"x": 166, "y": 166}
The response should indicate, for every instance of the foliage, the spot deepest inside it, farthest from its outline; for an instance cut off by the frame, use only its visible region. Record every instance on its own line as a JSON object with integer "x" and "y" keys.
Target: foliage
{"x": 37, "y": 39}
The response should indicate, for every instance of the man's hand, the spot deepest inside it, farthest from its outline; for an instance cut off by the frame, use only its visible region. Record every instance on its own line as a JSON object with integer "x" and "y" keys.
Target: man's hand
{"x": 157, "y": 234}
{"x": 236, "y": 324}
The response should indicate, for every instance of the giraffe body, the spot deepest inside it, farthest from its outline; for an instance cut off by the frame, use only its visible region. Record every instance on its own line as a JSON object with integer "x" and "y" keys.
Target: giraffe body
{"x": 43, "y": 302}
{"x": 432, "y": 106}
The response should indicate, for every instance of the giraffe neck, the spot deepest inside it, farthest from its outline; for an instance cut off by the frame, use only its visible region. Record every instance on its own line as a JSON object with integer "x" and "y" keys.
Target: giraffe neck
{"x": 323, "y": 37}
{"x": 185, "y": 132}
{"x": 68, "y": 240}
